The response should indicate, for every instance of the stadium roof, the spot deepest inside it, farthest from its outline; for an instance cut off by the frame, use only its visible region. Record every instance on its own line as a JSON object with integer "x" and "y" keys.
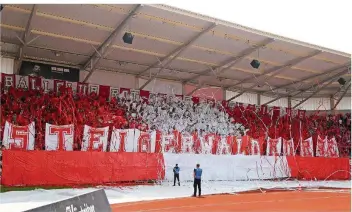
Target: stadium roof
{"x": 170, "y": 43}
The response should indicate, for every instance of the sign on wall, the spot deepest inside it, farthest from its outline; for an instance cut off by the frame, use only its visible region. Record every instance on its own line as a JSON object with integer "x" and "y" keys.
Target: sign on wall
{"x": 49, "y": 71}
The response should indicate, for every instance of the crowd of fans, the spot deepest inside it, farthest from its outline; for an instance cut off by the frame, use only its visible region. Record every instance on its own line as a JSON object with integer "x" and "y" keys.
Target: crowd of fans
{"x": 21, "y": 107}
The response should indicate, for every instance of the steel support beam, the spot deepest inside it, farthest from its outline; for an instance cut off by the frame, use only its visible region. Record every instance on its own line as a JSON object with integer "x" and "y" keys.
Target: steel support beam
{"x": 340, "y": 88}
{"x": 173, "y": 55}
{"x": 274, "y": 69}
{"x": 315, "y": 92}
{"x": 278, "y": 68}
{"x": 102, "y": 49}
{"x": 308, "y": 78}
{"x": 289, "y": 102}
{"x": 177, "y": 50}
{"x": 343, "y": 94}
{"x": 25, "y": 36}
{"x": 304, "y": 90}
{"x": 233, "y": 61}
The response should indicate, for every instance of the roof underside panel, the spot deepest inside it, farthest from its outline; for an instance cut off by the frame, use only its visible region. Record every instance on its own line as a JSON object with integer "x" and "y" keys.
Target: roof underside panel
{"x": 71, "y": 34}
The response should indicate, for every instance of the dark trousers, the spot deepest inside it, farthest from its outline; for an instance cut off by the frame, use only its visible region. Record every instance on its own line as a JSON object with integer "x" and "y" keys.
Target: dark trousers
{"x": 177, "y": 176}
{"x": 196, "y": 184}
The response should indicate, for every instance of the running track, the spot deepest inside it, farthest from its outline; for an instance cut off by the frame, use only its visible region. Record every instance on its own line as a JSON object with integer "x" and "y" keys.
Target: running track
{"x": 285, "y": 201}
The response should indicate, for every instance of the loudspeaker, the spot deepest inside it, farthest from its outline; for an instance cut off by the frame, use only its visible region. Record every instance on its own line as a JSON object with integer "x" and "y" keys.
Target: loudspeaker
{"x": 255, "y": 64}
{"x": 128, "y": 38}
{"x": 341, "y": 81}
{"x": 92, "y": 201}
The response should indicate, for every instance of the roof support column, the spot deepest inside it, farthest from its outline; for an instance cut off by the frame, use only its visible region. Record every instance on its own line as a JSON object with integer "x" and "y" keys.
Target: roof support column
{"x": 289, "y": 102}
{"x": 24, "y": 41}
{"x": 183, "y": 89}
{"x": 136, "y": 82}
{"x": 223, "y": 93}
{"x": 258, "y": 99}
{"x": 332, "y": 103}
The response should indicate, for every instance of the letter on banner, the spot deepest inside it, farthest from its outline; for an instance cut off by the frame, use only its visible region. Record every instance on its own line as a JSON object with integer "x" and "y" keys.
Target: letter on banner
{"x": 307, "y": 147}
{"x": 146, "y": 142}
{"x": 224, "y": 145}
{"x": 321, "y": 147}
{"x": 19, "y": 137}
{"x": 47, "y": 85}
{"x": 8, "y": 80}
{"x": 22, "y": 82}
{"x": 114, "y": 93}
{"x": 273, "y": 146}
{"x": 124, "y": 140}
{"x": 95, "y": 139}
{"x": 93, "y": 89}
{"x": 288, "y": 147}
{"x": 207, "y": 142}
{"x": 331, "y": 148}
{"x": 187, "y": 143}
{"x": 59, "y": 137}
{"x": 169, "y": 142}
{"x": 255, "y": 147}
{"x": 237, "y": 147}
{"x": 118, "y": 140}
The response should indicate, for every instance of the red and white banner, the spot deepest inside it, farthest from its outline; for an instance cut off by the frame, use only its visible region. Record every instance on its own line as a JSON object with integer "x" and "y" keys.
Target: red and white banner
{"x": 273, "y": 146}
{"x": 132, "y": 140}
{"x": 59, "y": 137}
{"x": 307, "y": 147}
{"x": 327, "y": 147}
{"x": 256, "y": 146}
{"x": 95, "y": 139}
{"x": 171, "y": 142}
{"x": 321, "y": 147}
{"x": 19, "y": 137}
{"x": 288, "y": 147}
{"x": 332, "y": 151}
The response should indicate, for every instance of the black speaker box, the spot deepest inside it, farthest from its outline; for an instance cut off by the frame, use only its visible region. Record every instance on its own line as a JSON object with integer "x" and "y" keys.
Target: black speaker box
{"x": 128, "y": 38}
{"x": 255, "y": 64}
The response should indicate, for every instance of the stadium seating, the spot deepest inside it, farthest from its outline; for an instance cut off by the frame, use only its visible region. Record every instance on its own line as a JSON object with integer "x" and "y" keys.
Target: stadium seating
{"x": 21, "y": 107}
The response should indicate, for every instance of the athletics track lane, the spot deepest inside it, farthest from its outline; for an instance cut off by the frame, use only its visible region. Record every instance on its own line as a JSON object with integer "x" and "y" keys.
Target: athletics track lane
{"x": 287, "y": 201}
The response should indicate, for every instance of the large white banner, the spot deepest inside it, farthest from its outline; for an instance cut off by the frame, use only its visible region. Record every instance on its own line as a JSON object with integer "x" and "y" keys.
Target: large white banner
{"x": 59, "y": 137}
{"x": 19, "y": 137}
{"x": 95, "y": 139}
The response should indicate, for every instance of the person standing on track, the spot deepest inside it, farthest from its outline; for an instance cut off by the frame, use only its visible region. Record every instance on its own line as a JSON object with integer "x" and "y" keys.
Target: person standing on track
{"x": 197, "y": 173}
{"x": 177, "y": 175}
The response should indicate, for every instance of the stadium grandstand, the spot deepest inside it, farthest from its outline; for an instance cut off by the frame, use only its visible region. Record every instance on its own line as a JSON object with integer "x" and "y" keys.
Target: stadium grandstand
{"x": 116, "y": 95}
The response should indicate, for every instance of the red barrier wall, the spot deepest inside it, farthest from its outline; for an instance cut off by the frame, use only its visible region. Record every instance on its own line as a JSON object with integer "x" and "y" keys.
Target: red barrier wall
{"x": 311, "y": 168}
{"x": 48, "y": 168}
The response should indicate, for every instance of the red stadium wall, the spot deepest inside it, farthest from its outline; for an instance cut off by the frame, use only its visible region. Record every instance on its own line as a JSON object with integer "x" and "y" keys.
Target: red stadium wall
{"x": 63, "y": 168}
{"x": 319, "y": 168}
